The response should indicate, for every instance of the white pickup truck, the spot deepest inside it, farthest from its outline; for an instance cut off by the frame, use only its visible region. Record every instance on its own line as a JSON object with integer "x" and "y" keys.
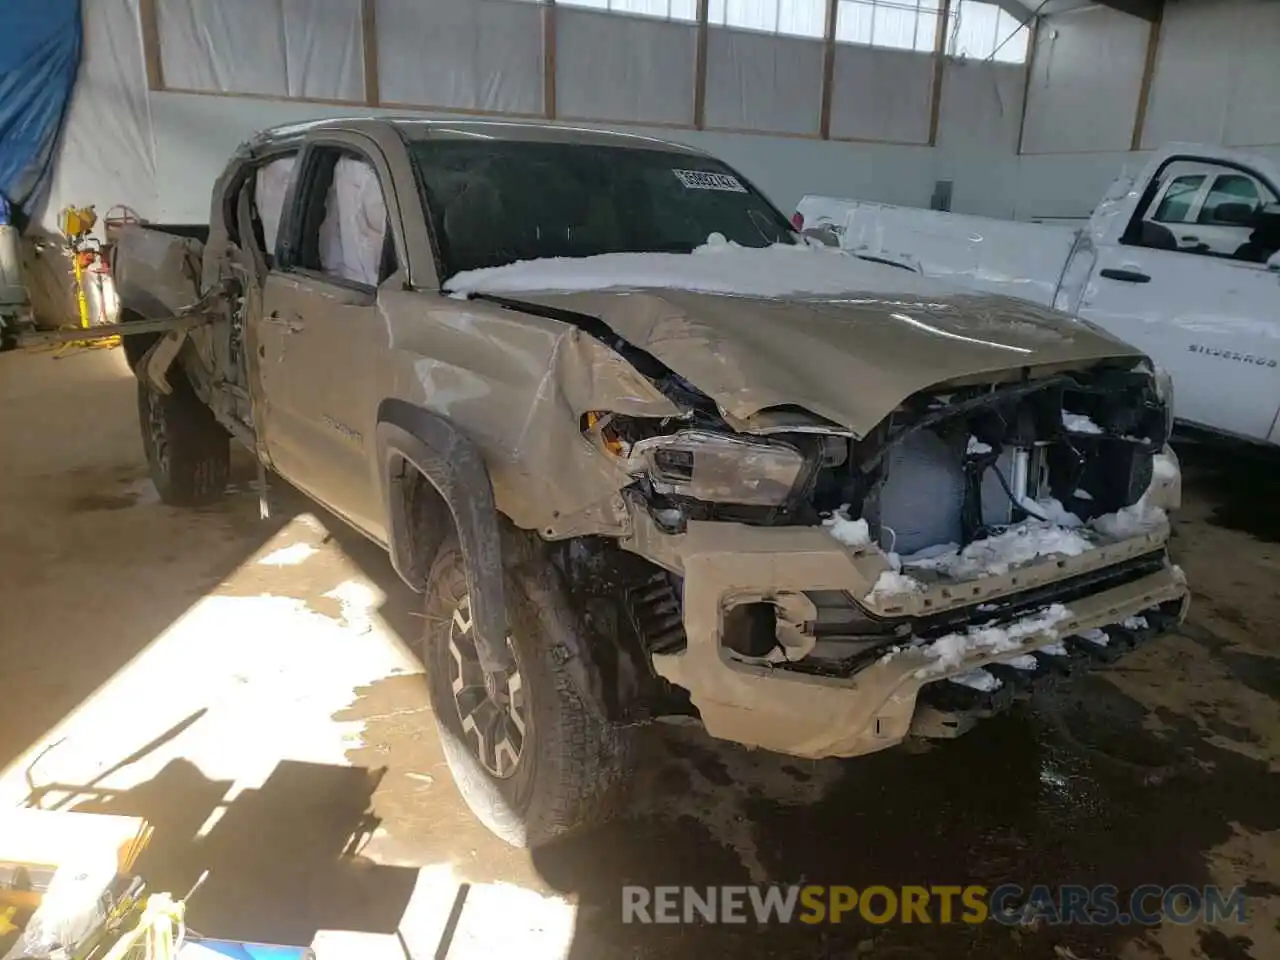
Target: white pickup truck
{"x": 1180, "y": 261}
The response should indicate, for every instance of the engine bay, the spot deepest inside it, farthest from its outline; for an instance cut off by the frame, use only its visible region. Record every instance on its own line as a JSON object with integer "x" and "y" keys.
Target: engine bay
{"x": 949, "y": 466}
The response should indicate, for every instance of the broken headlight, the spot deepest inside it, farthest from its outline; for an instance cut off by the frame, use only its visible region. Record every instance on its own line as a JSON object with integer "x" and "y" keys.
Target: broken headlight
{"x": 719, "y": 468}
{"x": 1162, "y": 387}
{"x": 1163, "y": 380}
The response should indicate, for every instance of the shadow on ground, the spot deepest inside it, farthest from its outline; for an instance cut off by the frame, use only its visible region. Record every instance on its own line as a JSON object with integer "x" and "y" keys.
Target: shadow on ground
{"x": 280, "y": 858}
{"x": 1242, "y": 479}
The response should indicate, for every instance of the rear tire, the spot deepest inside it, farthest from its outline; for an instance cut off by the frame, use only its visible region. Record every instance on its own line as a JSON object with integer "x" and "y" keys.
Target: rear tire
{"x": 573, "y": 766}
{"x": 188, "y": 451}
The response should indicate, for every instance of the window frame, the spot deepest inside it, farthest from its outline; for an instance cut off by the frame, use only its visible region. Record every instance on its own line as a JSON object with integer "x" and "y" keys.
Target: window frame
{"x": 775, "y": 31}
{"x": 921, "y": 13}
{"x": 245, "y": 177}
{"x": 1193, "y": 203}
{"x": 1259, "y": 201}
{"x": 610, "y": 9}
{"x": 299, "y": 209}
{"x": 998, "y": 38}
{"x": 1147, "y": 201}
{"x": 259, "y": 162}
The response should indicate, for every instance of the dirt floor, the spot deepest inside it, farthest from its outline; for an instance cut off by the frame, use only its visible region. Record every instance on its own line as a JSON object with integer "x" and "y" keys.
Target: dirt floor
{"x": 250, "y": 687}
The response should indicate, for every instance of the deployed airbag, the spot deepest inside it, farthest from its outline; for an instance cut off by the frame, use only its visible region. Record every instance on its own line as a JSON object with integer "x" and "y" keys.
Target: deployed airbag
{"x": 355, "y": 223}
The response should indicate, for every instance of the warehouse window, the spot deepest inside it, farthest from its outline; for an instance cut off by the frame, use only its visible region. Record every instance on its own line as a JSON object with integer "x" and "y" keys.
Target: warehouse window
{"x": 896, "y": 24}
{"x": 793, "y": 18}
{"x": 982, "y": 31}
{"x": 686, "y": 10}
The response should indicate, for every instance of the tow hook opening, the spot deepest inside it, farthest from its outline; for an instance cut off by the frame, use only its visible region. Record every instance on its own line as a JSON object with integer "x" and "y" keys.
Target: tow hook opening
{"x": 768, "y": 630}
{"x": 751, "y": 629}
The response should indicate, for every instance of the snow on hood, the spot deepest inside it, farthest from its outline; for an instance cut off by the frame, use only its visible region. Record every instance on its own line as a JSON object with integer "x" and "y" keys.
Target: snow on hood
{"x": 807, "y": 326}
{"x": 718, "y": 266}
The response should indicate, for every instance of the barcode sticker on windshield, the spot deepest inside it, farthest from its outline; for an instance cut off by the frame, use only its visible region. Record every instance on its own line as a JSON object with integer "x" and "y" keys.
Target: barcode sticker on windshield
{"x": 703, "y": 180}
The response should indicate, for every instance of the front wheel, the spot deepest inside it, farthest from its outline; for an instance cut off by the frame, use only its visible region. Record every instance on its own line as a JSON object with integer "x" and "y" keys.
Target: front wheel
{"x": 530, "y": 759}
{"x": 188, "y": 451}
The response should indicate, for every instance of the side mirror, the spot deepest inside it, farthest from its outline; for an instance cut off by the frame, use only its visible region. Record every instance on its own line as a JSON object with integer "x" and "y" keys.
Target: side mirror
{"x": 1273, "y": 264}
{"x": 825, "y": 233}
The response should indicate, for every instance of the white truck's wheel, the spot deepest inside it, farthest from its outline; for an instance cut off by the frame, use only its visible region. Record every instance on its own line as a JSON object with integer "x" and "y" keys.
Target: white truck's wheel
{"x": 530, "y": 759}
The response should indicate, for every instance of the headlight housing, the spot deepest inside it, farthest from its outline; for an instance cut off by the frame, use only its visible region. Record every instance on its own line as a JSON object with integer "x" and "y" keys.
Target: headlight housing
{"x": 1163, "y": 381}
{"x": 719, "y": 468}
{"x": 1162, "y": 387}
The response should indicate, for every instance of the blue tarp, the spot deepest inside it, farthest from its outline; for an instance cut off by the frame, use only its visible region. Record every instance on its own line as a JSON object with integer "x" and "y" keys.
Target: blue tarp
{"x": 40, "y": 43}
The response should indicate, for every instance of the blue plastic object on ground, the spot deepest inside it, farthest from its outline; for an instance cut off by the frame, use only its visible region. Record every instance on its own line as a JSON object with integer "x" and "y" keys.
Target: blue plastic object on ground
{"x": 200, "y": 948}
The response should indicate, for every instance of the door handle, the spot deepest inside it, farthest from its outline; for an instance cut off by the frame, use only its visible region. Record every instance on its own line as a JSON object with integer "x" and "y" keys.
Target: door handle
{"x": 1126, "y": 276}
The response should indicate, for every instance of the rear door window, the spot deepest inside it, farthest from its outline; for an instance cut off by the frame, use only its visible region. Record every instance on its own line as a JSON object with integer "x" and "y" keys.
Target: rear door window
{"x": 1229, "y": 188}
{"x": 343, "y": 232}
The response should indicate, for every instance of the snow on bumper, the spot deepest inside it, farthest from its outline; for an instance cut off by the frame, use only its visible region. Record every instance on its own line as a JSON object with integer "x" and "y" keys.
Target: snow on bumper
{"x": 808, "y": 715}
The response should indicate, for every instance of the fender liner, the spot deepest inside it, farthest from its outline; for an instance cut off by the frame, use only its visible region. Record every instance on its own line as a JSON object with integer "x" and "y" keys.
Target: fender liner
{"x": 452, "y": 464}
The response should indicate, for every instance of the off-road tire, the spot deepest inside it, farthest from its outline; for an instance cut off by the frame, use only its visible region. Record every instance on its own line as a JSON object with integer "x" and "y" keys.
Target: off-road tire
{"x": 575, "y": 766}
{"x": 188, "y": 451}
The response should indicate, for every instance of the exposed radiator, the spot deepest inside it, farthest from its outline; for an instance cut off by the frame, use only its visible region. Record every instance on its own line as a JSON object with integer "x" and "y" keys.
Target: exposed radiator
{"x": 921, "y": 499}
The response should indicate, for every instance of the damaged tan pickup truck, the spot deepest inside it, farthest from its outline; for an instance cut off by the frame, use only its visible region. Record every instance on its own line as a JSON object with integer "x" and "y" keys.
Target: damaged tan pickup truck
{"x": 646, "y": 452}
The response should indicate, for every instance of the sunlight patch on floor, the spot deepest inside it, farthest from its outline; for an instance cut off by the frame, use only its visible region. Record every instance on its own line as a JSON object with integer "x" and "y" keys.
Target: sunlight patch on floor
{"x": 244, "y": 679}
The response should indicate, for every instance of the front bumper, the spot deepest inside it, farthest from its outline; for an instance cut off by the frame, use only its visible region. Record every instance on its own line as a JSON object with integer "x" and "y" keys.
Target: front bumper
{"x": 815, "y": 716}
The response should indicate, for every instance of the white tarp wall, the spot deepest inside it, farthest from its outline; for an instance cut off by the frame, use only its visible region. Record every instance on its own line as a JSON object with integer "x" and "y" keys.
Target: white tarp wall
{"x": 632, "y": 62}
{"x": 621, "y": 67}
{"x": 108, "y": 134}
{"x": 279, "y": 48}
{"x": 1217, "y": 75}
{"x": 1086, "y": 77}
{"x": 760, "y": 82}
{"x": 483, "y": 55}
{"x": 764, "y": 65}
{"x": 107, "y": 153}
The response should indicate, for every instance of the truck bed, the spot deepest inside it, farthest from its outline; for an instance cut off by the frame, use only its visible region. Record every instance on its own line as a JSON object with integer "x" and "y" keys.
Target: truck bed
{"x": 999, "y": 256}
{"x": 192, "y": 231}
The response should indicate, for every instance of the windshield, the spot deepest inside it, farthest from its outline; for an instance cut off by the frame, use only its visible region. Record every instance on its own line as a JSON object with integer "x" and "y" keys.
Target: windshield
{"x": 493, "y": 202}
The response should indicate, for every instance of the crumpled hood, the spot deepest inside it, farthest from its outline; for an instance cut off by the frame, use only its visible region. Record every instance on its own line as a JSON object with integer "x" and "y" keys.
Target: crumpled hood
{"x": 852, "y": 360}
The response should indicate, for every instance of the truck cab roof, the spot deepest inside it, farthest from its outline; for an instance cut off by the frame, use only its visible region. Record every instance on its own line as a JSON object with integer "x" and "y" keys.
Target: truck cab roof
{"x": 415, "y": 128}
